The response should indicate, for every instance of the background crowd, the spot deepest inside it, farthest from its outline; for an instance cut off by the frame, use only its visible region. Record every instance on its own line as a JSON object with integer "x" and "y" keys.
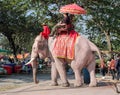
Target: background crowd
{"x": 111, "y": 67}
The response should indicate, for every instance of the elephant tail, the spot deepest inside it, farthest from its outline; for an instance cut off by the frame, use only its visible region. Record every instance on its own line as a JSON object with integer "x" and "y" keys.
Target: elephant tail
{"x": 95, "y": 48}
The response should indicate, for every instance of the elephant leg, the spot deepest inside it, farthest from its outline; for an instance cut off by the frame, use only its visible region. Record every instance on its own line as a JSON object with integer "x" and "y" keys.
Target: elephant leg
{"x": 91, "y": 69}
{"x": 60, "y": 65}
{"x": 54, "y": 75}
{"x": 77, "y": 72}
{"x": 34, "y": 69}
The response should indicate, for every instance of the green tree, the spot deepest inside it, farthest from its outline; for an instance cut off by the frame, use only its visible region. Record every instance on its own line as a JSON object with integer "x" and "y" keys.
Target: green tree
{"x": 104, "y": 20}
{"x": 13, "y": 21}
{"x": 20, "y": 21}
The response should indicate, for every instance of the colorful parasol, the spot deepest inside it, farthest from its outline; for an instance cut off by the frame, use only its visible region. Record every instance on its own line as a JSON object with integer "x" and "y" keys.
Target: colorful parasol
{"x": 72, "y": 9}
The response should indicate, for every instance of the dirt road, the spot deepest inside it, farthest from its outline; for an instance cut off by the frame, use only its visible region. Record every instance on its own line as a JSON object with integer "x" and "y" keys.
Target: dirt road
{"x": 21, "y": 84}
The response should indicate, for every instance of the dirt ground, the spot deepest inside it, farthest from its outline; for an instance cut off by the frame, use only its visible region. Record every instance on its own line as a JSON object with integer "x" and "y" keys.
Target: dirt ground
{"x": 17, "y": 80}
{"x": 8, "y": 82}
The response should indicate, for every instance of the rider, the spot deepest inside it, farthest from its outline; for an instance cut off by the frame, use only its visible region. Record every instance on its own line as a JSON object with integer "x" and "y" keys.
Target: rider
{"x": 64, "y": 25}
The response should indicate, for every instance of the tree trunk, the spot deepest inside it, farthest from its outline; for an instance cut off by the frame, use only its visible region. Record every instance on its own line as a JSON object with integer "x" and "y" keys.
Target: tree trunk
{"x": 107, "y": 34}
{"x": 12, "y": 45}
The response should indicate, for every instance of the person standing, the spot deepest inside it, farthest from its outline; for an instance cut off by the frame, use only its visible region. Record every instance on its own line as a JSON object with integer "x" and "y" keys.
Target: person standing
{"x": 103, "y": 69}
{"x": 108, "y": 67}
{"x": 112, "y": 68}
{"x": 86, "y": 75}
{"x": 118, "y": 67}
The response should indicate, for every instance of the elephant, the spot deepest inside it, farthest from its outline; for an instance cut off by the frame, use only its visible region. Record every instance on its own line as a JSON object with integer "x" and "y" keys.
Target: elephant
{"x": 84, "y": 57}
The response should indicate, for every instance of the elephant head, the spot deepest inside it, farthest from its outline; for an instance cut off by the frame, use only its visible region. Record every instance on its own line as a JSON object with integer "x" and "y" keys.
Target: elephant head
{"x": 39, "y": 49}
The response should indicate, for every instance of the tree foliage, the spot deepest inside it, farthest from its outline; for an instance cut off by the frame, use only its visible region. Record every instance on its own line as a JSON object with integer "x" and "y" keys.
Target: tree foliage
{"x": 20, "y": 21}
{"x": 104, "y": 20}
{"x": 13, "y": 22}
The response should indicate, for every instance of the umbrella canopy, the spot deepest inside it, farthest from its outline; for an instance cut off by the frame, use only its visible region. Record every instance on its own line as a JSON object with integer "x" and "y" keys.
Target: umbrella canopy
{"x": 72, "y": 9}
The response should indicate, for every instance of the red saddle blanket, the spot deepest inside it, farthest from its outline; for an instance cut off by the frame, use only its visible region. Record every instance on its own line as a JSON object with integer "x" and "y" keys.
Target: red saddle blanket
{"x": 65, "y": 44}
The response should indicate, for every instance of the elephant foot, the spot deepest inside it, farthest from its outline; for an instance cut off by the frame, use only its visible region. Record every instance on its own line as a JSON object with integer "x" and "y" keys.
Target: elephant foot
{"x": 36, "y": 82}
{"x": 54, "y": 84}
{"x": 66, "y": 84}
{"x": 92, "y": 84}
{"x": 77, "y": 85}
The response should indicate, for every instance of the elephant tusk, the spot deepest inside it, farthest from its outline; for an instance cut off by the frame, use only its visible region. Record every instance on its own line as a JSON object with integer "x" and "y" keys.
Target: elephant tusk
{"x": 30, "y": 61}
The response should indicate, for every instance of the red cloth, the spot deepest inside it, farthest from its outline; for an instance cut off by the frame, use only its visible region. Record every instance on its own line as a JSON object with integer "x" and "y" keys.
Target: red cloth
{"x": 64, "y": 45}
{"x": 45, "y": 32}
